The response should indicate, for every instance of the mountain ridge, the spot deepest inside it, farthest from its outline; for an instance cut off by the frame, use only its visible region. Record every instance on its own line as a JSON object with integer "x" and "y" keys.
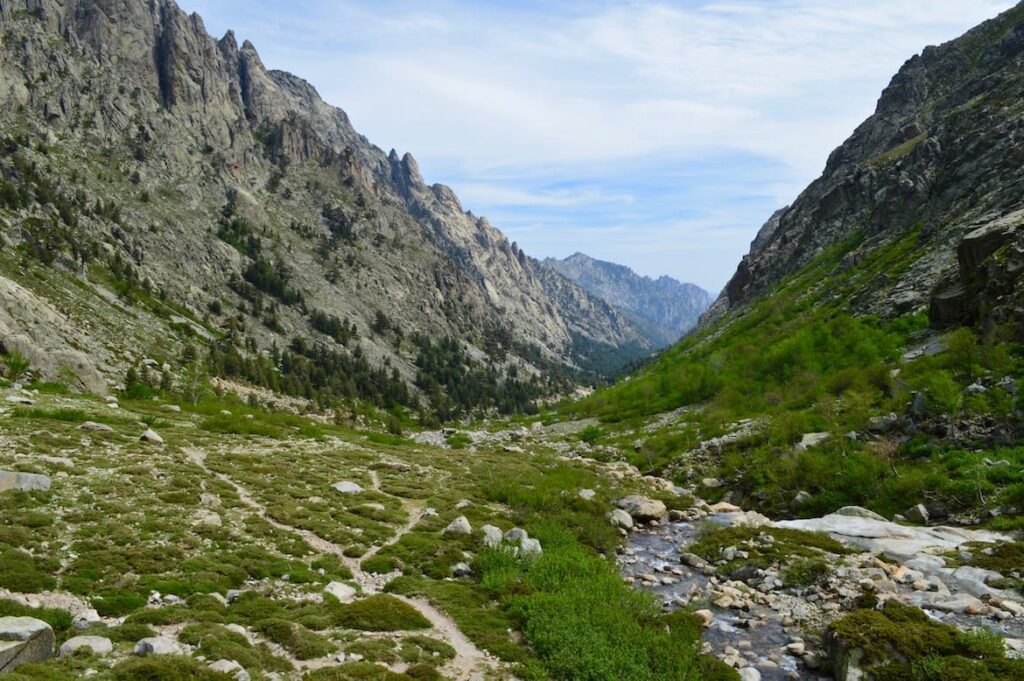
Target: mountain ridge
{"x": 664, "y": 307}
{"x": 225, "y": 177}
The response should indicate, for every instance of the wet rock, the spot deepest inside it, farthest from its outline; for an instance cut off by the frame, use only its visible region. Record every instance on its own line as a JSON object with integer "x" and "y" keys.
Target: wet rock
{"x": 98, "y": 645}
{"x": 706, "y": 617}
{"x": 24, "y": 640}
{"x": 749, "y": 674}
{"x": 23, "y": 482}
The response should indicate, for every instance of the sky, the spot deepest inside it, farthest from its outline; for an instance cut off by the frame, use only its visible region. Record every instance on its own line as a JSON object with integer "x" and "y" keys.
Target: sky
{"x": 659, "y": 135}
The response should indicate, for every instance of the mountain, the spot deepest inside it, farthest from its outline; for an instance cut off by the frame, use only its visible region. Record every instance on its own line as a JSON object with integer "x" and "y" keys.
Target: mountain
{"x": 939, "y": 163}
{"x": 177, "y": 182}
{"x": 664, "y": 308}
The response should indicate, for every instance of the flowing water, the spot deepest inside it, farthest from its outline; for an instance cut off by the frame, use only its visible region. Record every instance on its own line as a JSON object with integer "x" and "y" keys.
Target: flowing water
{"x": 759, "y": 634}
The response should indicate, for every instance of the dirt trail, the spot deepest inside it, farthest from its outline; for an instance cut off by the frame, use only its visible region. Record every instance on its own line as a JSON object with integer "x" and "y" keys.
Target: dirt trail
{"x": 470, "y": 663}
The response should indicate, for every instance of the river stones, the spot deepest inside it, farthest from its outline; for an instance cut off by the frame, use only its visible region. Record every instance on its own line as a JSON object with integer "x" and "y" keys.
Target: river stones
{"x": 642, "y": 509}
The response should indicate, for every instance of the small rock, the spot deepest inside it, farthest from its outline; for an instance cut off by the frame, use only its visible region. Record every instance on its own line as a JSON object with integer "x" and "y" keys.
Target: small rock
{"x": 917, "y": 514}
{"x": 459, "y": 526}
{"x": 975, "y": 389}
{"x": 796, "y": 648}
{"x": 492, "y": 536}
{"x": 749, "y": 674}
{"x": 711, "y": 483}
{"x": 230, "y": 667}
{"x": 23, "y": 482}
{"x": 858, "y": 512}
{"x": 642, "y": 509}
{"x": 706, "y": 616}
{"x": 97, "y": 644}
{"x": 587, "y": 494}
{"x": 343, "y": 592}
{"x": 516, "y": 535}
{"x": 810, "y": 440}
{"x": 96, "y": 427}
{"x": 620, "y": 519}
{"x": 157, "y": 645}
{"x": 462, "y": 570}
{"x": 530, "y": 547}
{"x": 151, "y": 437}
{"x": 347, "y": 487}
{"x": 463, "y": 503}
{"x": 802, "y": 498}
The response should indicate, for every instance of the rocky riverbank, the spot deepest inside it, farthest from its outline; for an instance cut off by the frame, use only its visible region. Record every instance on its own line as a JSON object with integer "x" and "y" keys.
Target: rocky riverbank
{"x": 768, "y": 591}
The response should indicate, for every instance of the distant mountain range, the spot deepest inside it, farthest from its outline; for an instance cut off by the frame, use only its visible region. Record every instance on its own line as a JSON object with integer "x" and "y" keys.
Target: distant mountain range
{"x": 663, "y": 308}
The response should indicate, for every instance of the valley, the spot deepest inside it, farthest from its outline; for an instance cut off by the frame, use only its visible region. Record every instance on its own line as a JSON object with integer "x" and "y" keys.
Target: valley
{"x": 274, "y": 407}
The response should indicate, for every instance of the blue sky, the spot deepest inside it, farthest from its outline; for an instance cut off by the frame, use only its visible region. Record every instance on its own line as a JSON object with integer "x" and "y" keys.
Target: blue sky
{"x": 660, "y": 135}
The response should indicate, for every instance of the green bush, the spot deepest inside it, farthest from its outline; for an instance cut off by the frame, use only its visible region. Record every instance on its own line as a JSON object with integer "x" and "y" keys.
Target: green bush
{"x": 378, "y": 613}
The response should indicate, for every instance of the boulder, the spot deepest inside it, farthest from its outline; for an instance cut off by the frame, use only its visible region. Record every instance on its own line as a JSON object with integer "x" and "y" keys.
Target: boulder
{"x": 641, "y": 508}
{"x": 347, "y": 487}
{"x": 620, "y": 519}
{"x": 858, "y": 512}
{"x": 492, "y": 536}
{"x": 516, "y": 535}
{"x": 801, "y": 498}
{"x": 529, "y": 547}
{"x": 98, "y": 645}
{"x": 917, "y": 514}
{"x": 24, "y": 640}
{"x": 459, "y": 526}
{"x": 151, "y": 437}
{"x": 810, "y": 440}
{"x": 749, "y": 674}
{"x": 230, "y": 667}
{"x": 97, "y": 427}
{"x": 343, "y": 592}
{"x": 23, "y": 482}
{"x": 157, "y": 645}
{"x": 57, "y": 364}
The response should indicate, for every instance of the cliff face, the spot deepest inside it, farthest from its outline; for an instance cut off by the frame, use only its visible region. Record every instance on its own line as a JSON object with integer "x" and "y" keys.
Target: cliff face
{"x": 939, "y": 159}
{"x": 185, "y": 160}
{"x": 663, "y": 308}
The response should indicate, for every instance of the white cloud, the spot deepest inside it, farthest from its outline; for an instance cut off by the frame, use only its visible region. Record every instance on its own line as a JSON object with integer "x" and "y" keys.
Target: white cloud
{"x": 490, "y": 97}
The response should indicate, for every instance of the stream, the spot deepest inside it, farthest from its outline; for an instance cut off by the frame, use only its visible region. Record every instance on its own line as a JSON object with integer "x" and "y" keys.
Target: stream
{"x": 759, "y": 635}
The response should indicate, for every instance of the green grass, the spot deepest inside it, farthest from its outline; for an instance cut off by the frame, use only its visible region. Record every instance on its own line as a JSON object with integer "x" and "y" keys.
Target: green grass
{"x": 902, "y": 643}
{"x": 379, "y": 613}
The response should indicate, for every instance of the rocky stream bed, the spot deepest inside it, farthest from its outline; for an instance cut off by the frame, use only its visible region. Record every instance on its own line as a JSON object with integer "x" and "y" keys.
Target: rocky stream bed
{"x": 771, "y": 631}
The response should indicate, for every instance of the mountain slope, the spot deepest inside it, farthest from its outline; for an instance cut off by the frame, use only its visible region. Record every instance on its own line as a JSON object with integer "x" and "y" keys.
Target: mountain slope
{"x": 142, "y": 154}
{"x": 664, "y": 307}
{"x": 939, "y": 158}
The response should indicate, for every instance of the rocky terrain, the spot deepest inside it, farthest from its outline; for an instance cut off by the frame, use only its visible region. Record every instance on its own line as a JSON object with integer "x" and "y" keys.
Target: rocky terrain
{"x": 663, "y": 308}
{"x": 144, "y": 159}
{"x": 936, "y": 162}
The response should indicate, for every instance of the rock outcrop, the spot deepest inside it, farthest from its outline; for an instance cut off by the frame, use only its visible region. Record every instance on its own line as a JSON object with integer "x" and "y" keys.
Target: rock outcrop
{"x": 199, "y": 171}
{"x": 937, "y": 165}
